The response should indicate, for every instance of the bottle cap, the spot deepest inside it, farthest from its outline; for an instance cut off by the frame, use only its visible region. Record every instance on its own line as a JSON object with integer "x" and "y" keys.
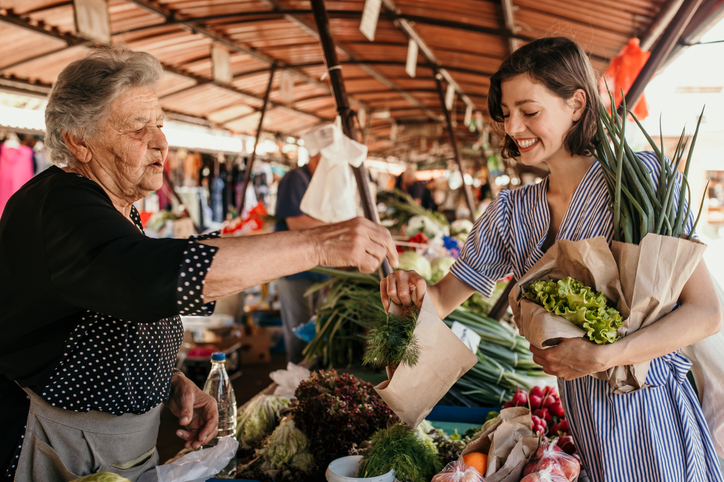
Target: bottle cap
{"x": 218, "y": 356}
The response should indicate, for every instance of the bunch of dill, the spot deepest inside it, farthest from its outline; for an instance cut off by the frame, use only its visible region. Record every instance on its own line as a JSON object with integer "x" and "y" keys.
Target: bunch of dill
{"x": 401, "y": 448}
{"x": 391, "y": 341}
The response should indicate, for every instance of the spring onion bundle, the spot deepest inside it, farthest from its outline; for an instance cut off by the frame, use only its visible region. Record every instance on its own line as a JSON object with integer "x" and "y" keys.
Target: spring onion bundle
{"x": 639, "y": 207}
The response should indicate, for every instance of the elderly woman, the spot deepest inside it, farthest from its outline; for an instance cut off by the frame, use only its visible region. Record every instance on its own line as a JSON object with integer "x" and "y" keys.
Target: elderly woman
{"x": 90, "y": 306}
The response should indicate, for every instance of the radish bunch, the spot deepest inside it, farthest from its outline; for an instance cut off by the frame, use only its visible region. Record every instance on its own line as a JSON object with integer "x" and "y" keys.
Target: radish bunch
{"x": 547, "y": 414}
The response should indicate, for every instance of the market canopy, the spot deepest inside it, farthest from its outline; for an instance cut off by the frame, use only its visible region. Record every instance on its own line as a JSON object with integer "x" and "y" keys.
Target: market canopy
{"x": 218, "y": 55}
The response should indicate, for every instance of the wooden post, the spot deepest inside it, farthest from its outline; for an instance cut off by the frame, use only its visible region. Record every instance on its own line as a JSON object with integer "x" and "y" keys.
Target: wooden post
{"x": 343, "y": 109}
{"x": 454, "y": 144}
{"x": 250, "y": 160}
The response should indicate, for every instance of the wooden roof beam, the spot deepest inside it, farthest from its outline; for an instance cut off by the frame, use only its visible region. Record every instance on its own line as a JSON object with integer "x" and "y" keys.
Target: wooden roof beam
{"x": 312, "y": 31}
{"x": 75, "y": 40}
{"x": 196, "y": 27}
{"x": 509, "y": 16}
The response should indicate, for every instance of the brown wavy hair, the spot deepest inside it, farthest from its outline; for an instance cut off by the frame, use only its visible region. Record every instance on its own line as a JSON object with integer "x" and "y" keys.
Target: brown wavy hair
{"x": 562, "y": 66}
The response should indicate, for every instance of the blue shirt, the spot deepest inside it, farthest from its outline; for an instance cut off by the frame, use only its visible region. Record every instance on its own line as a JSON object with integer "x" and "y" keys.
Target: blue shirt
{"x": 289, "y": 197}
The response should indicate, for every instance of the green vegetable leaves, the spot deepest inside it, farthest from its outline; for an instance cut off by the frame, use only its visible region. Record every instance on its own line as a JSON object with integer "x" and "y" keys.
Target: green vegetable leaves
{"x": 392, "y": 341}
{"x": 578, "y": 304}
{"x": 258, "y": 419}
{"x": 403, "y": 449}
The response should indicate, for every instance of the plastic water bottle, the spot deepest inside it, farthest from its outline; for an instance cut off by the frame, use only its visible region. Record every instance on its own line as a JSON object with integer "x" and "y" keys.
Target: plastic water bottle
{"x": 219, "y": 386}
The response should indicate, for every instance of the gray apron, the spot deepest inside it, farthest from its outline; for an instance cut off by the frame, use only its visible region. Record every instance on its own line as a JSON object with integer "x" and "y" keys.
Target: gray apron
{"x": 63, "y": 445}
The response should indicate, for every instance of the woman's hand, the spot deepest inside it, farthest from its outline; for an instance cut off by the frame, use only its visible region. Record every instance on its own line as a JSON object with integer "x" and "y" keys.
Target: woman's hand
{"x": 573, "y": 358}
{"x": 399, "y": 286}
{"x": 196, "y": 410}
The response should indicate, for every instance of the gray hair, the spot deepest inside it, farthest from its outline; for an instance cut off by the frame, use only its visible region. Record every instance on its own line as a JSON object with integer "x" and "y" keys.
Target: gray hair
{"x": 79, "y": 100}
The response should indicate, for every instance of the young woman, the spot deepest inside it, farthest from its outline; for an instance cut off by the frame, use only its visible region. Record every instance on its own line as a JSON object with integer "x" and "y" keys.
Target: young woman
{"x": 544, "y": 97}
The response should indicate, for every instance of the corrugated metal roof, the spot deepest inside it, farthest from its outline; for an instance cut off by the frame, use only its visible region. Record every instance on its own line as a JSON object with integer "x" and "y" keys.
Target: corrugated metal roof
{"x": 468, "y": 38}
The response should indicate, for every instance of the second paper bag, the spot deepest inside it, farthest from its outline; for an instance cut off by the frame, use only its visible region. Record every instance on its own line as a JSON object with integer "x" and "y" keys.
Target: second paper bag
{"x": 412, "y": 392}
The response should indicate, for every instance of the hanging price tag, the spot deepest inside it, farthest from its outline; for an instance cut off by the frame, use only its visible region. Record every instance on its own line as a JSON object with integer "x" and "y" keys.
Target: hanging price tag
{"x": 466, "y": 335}
{"x": 449, "y": 97}
{"x": 468, "y": 115}
{"x": 411, "y": 65}
{"x": 370, "y": 15}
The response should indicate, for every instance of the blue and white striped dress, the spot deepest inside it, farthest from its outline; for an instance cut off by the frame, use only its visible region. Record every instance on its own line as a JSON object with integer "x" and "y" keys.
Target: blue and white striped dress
{"x": 655, "y": 434}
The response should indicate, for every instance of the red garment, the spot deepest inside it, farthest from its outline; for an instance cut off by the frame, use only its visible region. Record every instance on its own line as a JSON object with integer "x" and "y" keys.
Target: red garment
{"x": 16, "y": 168}
{"x": 622, "y": 73}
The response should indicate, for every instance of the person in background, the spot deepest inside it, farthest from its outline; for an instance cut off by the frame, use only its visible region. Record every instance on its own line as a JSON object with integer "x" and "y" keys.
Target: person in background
{"x": 408, "y": 183}
{"x": 296, "y": 308}
{"x": 89, "y": 305}
{"x": 544, "y": 97}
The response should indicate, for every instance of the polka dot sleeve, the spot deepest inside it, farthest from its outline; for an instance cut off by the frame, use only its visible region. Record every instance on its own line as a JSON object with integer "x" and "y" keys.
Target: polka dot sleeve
{"x": 196, "y": 262}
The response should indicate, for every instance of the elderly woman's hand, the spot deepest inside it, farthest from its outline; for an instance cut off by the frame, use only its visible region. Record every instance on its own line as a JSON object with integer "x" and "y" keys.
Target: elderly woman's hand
{"x": 196, "y": 410}
{"x": 358, "y": 242}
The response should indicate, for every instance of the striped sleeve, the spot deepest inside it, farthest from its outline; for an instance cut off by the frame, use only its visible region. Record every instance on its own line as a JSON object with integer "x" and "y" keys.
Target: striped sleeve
{"x": 485, "y": 257}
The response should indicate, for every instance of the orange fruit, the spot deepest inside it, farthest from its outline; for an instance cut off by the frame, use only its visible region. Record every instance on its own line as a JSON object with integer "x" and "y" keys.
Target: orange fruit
{"x": 477, "y": 460}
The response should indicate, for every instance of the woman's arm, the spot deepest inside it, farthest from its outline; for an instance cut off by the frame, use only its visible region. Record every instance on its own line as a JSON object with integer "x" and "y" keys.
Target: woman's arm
{"x": 246, "y": 261}
{"x": 698, "y": 316}
{"x": 446, "y": 295}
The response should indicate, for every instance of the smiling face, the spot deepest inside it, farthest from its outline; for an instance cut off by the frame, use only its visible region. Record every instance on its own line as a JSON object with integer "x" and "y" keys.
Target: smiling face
{"x": 537, "y": 119}
{"x": 129, "y": 151}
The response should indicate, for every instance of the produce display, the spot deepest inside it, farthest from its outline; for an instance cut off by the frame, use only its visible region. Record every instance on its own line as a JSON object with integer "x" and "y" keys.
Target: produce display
{"x": 411, "y": 453}
{"x": 259, "y": 418}
{"x": 580, "y": 305}
{"x": 336, "y": 411}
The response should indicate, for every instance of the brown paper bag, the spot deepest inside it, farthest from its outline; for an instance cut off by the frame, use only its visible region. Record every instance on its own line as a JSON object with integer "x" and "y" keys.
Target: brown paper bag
{"x": 412, "y": 392}
{"x": 509, "y": 442}
{"x": 644, "y": 282}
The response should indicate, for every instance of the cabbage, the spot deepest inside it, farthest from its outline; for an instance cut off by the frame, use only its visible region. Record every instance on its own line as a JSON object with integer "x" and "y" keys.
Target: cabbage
{"x": 412, "y": 260}
{"x": 460, "y": 229}
{"x": 102, "y": 477}
{"x": 426, "y": 225}
{"x": 286, "y": 446}
{"x": 580, "y": 305}
{"x": 440, "y": 267}
{"x": 258, "y": 418}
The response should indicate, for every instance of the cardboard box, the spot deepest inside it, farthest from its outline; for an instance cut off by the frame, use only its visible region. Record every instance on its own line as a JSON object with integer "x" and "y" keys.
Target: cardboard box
{"x": 255, "y": 345}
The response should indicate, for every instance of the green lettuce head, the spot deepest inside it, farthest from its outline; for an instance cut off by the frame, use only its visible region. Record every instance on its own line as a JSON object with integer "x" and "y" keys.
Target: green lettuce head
{"x": 580, "y": 305}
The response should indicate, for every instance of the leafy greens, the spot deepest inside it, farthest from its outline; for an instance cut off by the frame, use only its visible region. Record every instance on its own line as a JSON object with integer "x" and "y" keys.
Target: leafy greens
{"x": 580, "y": 305}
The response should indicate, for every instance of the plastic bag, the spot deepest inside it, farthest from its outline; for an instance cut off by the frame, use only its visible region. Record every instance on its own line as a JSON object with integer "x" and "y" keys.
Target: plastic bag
{"x": 332, "y": 193}
{"x": 551, "y": 464}
{"x": 197, "y": 466}
{"x": 288, "y": 380}
{"x": 457, "y": 471}
{"x": 621, "y": 73}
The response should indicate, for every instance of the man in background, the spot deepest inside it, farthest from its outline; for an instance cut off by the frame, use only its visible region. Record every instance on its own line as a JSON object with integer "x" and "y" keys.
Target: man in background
{"x": 295, "y": 307}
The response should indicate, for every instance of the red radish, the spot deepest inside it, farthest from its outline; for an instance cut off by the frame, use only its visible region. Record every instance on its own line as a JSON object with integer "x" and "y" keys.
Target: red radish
{"x": 520, "y": 398}
{"x": 542, "y": 413}
{"x": 537, "y": 391}
{"x": 549, "y": 401}
{"x": 509, "y": 404}
{"x": 535, "y": 400}
{"x": 550, "y": 391}
{"x": 557, "y": 409}
{"x": 554, "y": 429}
{"x": 564, "y": 425}
{"x": 552, "y": 465}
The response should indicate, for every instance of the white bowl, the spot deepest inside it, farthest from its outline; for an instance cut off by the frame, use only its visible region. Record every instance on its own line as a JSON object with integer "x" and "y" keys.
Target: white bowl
{"x": 345, "y": 470}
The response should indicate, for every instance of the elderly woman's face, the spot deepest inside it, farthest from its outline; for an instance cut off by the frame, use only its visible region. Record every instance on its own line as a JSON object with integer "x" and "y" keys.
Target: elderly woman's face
{"x": 130, "y": 147}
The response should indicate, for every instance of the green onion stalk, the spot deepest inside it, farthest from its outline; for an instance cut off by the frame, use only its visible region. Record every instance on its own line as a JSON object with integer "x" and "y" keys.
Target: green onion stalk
{"x": 638, "y": 205}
